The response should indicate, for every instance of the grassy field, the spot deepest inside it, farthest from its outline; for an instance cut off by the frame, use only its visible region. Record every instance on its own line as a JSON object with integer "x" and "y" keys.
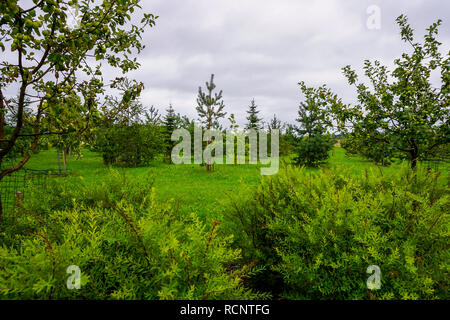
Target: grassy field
{"x": 308, "y": 227}
{"x": 196, "y": 190}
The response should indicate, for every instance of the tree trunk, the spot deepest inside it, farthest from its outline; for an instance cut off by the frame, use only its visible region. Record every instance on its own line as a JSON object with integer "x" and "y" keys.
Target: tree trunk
{"x": 1, "y": 206}
{"x": 59, "y": 161}
{"x": 208, "y": 166}
{"x": 64, "y": 159}
{"x": 414, "y": 159}
{"x": 2, "y": 136}
{"x": 1, "y": 210}
{"x": 2, "y": 116}
{"x": 414, "y": 155}
{"x": 4, "y": 172}
{"x": 413, "y": 163}
{"x": 2, "y": 124}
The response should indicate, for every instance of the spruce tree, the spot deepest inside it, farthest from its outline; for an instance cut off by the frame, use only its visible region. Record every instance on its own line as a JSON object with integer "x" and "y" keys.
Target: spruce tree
{"x": 314, "y": 145}
{"x": 287, "y": 140}
{"x": 210, "y": 109}
{"x": 275, "y": 123}
{"x": 171, "y": 122}
{"x": 254, "y": 122}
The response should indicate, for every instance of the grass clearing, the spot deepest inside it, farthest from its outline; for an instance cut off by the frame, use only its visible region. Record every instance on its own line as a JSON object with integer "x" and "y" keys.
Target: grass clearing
{"x": 196, "y": 190}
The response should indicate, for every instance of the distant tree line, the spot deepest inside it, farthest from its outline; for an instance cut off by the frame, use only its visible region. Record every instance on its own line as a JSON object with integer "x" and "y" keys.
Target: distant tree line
{"x": 407, "y": 118}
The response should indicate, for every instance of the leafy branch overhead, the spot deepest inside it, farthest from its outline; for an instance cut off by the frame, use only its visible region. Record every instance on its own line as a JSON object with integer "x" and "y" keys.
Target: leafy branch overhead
{"x": 53, "y": 65}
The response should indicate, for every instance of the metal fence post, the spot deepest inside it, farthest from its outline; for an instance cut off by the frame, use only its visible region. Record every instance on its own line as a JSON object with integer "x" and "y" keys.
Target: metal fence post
{"x": 19, "y": 198}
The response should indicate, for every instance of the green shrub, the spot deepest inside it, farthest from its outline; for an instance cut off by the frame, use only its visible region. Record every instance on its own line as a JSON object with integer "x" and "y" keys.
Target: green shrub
{"x": 314, "y": 143}
{"x": 313, "y": 151}
{"x": 126, "y": 244}
{"x": 315, "y": 234}
{"x": 130, "y": 145}
{"x": 376, "y": 151}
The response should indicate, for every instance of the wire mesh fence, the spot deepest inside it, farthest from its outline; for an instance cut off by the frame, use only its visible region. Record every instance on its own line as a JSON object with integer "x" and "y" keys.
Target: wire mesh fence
{"x": 437, "y": 163}
{"x": 19, "y": 182}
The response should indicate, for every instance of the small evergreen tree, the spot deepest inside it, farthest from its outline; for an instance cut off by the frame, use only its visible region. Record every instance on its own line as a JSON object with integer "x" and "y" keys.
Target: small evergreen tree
{"x": 287, "y": 140}
{"x": 152, "y": 116}
{"x": 254, "y": 122}
{"x": 275, "y": 123}
{"x": 314, "y": 145}
{"x": 210, "y": 109}
{"x": 171, "y": 122}
{"x": 234, "y": 131}
{"x": 233, "y": 123}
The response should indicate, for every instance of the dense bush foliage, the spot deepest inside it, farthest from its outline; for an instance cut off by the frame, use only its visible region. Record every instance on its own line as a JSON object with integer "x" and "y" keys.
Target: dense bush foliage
{"x": 316, "y": 234}
{"x": 171, "y": 122}
{"x": 126, "y": 244}
{"x": 313, "y": 151}
{"x": 130, "y": 145}
{"x": 379, "y": 152}
{"x": 21, "y": 147}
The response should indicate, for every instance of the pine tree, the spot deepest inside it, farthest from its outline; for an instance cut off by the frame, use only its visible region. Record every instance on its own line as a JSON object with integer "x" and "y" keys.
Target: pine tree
{"x": 233, "y": 123}
{"x": 234, "y": 131}
{"x": 210, "y": 108}
{"x": 254, "y": 122}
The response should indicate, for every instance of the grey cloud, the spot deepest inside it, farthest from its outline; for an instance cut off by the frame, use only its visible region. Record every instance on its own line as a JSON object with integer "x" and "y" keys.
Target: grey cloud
{"x": 262, "y": 49}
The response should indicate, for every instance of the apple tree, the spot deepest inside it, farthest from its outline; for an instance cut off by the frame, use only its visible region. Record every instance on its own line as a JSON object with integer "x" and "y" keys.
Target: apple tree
{"x": 406, "y": 110}
{"x": 53, "y": 57}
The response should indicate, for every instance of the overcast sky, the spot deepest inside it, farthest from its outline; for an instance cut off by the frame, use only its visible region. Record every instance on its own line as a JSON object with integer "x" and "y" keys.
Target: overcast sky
{"x": 262, "y": 48}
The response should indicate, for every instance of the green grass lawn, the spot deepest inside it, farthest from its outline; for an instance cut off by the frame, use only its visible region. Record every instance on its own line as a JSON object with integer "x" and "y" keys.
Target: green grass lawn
{"x": 196, "y": 190}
